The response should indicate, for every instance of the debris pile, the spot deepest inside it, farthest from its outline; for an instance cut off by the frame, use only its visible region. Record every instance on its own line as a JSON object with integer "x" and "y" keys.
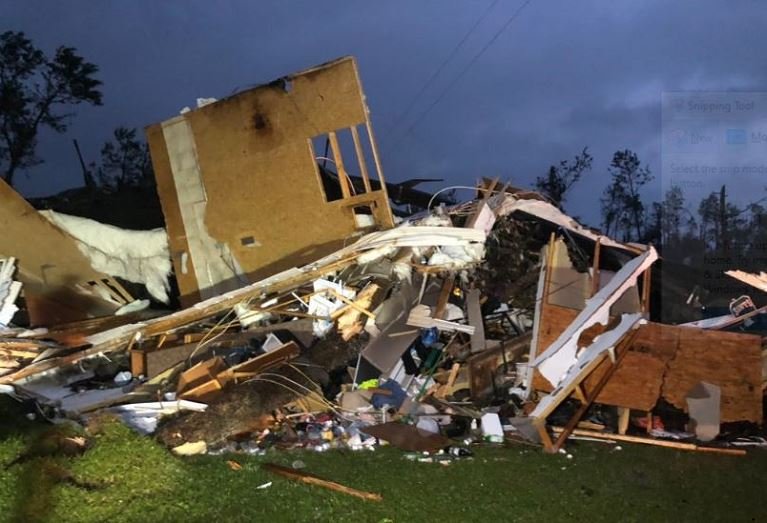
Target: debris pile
{"x": 309, "y": 319}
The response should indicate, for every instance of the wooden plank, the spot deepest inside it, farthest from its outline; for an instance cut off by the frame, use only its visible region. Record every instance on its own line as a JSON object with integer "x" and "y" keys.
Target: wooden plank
{"x": 263, "y": 362}
{"x": 651, "y": 441}
{"x": 444, "y": 296}
{"x": 361, "y": 158}
{"x": 624, "y": 416}
{"x": 595, "y": 267}
{"x": 474, "y": 311}
{"x": 343, "y": 177}
{"x": 448, "y": 386}
{"x": 548, "y": 445}
{"x": 310, "y": 479}
{"x": 646, "y": 283}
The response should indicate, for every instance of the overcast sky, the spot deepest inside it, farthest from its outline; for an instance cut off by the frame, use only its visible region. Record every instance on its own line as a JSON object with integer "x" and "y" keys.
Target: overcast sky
{"x": 562, "y": 76}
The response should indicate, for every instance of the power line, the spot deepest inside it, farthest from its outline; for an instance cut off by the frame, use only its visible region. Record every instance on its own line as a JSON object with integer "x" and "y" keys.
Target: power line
{"x": 465, "y": 70}
{"x": 406, "y": 112}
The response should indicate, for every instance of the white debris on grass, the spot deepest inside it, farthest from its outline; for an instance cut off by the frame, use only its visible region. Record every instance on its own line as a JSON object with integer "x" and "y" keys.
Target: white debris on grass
{"x": 143, "y": 417}
{"x": 137, "y": 256}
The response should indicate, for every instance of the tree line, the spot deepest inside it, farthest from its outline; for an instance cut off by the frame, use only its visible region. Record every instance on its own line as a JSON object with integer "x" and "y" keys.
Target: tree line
{"x": 38, "y": 91}
{"x": 694, "y": 233}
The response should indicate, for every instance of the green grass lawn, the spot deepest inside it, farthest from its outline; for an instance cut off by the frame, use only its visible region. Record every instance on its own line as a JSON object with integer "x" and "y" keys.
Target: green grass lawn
{"x": 141, "y": 481}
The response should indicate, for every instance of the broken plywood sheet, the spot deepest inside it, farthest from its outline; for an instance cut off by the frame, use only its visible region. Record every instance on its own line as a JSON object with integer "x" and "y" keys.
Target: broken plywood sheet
{"x": 54, "y": 272}
{"x": 554, "y": 362}
{"x": 650, "y": 370}
{"x": 729, "y": 360}
{"x": 214, "y": 166}
{"x": 637, "y": 382}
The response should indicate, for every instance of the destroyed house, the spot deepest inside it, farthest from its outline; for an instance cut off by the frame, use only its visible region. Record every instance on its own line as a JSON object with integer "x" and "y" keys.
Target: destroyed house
{"x": 305, "y": 310}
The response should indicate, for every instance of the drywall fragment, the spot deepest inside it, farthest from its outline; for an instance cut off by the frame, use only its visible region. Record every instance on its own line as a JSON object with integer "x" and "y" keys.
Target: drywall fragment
{"x": 703, "y": 402}
{"x": 492, "y": 430}
{"x": 9, "y": 291}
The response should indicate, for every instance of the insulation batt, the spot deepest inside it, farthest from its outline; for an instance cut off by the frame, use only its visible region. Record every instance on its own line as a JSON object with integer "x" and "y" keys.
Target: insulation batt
{"x": 135, "y": 256}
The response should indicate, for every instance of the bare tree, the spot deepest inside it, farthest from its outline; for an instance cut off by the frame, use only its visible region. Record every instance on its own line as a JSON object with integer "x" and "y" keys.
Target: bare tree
{"x": 562, "y": 177}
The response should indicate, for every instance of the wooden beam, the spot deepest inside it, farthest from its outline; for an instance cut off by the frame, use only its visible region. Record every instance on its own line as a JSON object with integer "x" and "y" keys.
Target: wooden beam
{"x": 650, "y": 441}
{"x": 389, "y": 216}
{"x": 343, "y": 177}
{"x": 646, "y": 290}
{"x": 548, "y": 446}
{"x": 624, "y": 416}
{"x": 595, "y": 267}
{"x": 361, "y": 158}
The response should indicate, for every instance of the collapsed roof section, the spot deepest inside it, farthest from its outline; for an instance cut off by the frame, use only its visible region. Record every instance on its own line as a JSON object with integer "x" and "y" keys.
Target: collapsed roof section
{"x": 60, "y": 284}
{"x": 240, "y": 182}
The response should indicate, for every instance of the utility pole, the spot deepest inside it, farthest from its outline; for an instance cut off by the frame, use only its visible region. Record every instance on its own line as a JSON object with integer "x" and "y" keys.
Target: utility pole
{"x": 87, "y": 176}
{"x": 725, "y": 247}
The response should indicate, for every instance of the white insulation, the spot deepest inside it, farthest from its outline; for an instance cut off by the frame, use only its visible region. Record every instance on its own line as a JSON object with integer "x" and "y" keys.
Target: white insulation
{"x": 135, "y": 256}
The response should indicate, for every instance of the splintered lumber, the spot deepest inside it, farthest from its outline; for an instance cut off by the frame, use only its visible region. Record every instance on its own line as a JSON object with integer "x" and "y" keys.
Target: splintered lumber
{"x": 311, "y": 479}
{"x": 651, "y": 441}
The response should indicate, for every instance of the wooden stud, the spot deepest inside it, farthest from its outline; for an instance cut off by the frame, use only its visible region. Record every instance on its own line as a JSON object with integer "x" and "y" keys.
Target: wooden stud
{"x": 343, "y": 177}
{"x": 595, "y": 268}
{"x": 444, "y": 296}
{"x": 389, "y": 216}
{"x": 548, "y": 445}
{"x": 361, "y": 158}
{"x": 580, "y": 394}
{"x": 623, "y": 348}
{"x": 549, "y": 261}
{"x": 624, "y": 415}
{"x": 487, "y": 193}
{"x": 646, "y": 290}
{"x": 651, "y": 441}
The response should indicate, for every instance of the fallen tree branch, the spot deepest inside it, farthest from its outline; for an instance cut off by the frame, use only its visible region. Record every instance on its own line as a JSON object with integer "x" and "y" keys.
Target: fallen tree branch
{"x": 305, "y": 477}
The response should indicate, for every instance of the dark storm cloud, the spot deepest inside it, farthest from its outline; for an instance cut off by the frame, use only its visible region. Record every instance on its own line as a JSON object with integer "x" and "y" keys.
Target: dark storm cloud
{"x": 565, "y": 74}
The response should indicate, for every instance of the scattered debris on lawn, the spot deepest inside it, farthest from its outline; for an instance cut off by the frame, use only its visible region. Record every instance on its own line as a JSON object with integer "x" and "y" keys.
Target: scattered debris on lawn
{"x": 312, "y": 318}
